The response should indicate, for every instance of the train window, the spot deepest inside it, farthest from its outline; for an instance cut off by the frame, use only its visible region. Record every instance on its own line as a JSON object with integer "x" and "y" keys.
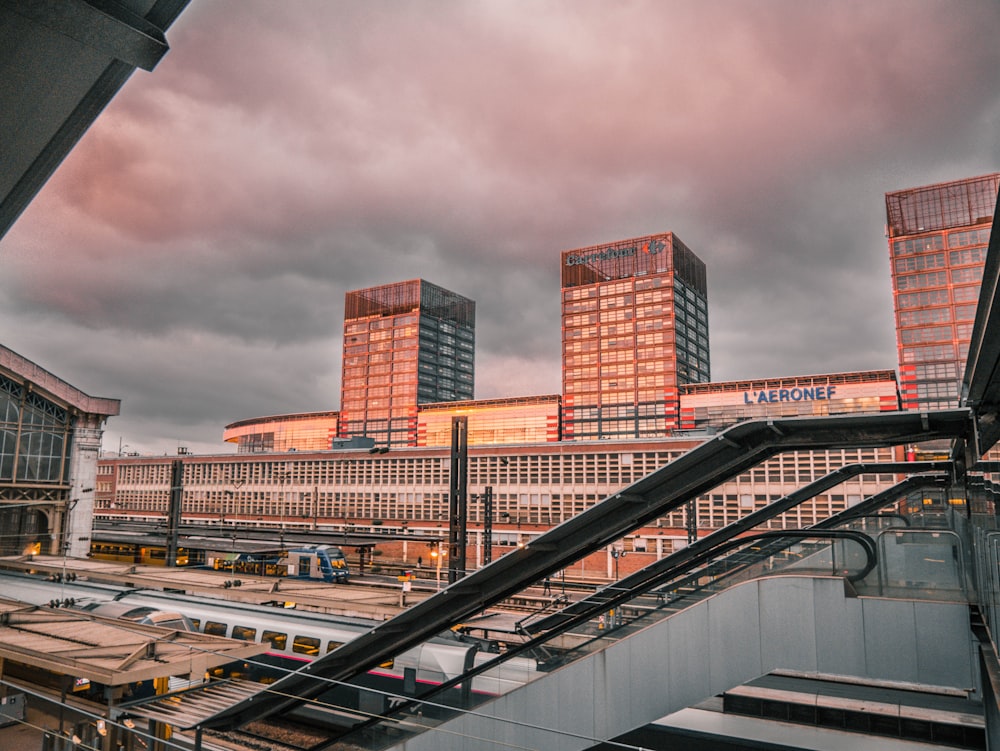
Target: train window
{"x": 278, "y": 641}
{"x": 177, "y": 624}
{"x": 215, "y": 629}
{"x": 196, "y": 623}
{"x": 333, "y": 645}
{"x": 245, "y": 633}
{"x": 306, "y": 645}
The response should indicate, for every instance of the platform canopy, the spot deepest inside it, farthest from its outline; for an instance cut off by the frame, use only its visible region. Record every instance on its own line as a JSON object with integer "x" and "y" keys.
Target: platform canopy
{"x": 107, "y": 651}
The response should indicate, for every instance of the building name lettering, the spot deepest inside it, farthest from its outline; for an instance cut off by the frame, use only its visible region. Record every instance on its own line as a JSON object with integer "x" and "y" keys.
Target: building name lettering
{"x": 809, "y": 394}
{"x": 653, "y": 247}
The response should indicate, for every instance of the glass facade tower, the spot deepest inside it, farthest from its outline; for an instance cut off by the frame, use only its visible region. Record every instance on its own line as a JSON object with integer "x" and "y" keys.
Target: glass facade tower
{"x": 937, "y": 248}
{"x": 634, "y": 326}
{"x": 405, "y": 344}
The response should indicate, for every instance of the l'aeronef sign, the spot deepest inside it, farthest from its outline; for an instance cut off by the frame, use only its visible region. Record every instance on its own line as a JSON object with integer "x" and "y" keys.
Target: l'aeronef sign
{"x": 653, "y": 247}
{"x": 808, "y": 394}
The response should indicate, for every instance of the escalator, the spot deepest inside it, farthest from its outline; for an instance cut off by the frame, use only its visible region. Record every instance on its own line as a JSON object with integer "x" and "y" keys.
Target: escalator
{"x": 719, "y": 561}
{"x": 726, "y": 455}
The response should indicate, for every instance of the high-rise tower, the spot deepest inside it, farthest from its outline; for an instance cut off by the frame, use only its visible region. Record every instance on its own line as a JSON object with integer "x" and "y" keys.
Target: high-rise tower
{"x": 405, "y": 344}
{"x": 634, "y": 326}
{"x": 937, "y": 247}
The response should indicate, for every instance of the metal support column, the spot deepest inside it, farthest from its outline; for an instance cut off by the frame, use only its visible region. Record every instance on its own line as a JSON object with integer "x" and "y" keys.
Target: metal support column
{"x": 458, "y": 500}
{"x": 174, "y": 510}
{"x": 488, "y": 525}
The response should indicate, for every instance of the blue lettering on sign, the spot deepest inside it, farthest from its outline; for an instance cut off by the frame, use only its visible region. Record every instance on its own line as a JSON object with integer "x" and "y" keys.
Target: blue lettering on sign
{"x": 652, "y": 248}
{"x": 773, "y": 396}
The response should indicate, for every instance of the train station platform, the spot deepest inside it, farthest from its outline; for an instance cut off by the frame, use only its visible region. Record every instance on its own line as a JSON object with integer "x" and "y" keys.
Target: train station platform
{"x": 358, "y": 600}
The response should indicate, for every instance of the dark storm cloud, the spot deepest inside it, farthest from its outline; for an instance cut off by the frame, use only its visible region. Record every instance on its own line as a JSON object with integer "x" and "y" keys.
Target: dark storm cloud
{"x": 192, "y": 254}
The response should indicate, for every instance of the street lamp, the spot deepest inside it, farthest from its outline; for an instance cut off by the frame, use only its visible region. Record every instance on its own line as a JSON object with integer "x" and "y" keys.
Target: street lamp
{"x": 232, "y": 564}
{"x": 617, "y": 554}
{"x": 437, "y": 554}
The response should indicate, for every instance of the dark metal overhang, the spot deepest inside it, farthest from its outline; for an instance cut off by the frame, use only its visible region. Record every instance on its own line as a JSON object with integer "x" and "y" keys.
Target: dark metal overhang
{"x": 60, "y": 65}
{"x": 981, "y": 382}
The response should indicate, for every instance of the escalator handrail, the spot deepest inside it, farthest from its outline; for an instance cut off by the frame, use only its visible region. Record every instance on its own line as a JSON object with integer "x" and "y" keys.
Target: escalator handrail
{"x": 864, "y": 540}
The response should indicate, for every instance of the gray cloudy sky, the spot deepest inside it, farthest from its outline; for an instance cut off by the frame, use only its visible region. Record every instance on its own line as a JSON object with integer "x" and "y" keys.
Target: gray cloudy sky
{"x": 191, "y": 255}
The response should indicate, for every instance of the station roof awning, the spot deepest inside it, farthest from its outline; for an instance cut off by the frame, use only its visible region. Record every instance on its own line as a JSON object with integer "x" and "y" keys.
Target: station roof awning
{"x": 222, "y": 545}
{"x": 107, "y": 651}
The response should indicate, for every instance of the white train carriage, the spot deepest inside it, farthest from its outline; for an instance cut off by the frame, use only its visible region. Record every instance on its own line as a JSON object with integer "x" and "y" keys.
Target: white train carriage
{"x": 294, "y": 638}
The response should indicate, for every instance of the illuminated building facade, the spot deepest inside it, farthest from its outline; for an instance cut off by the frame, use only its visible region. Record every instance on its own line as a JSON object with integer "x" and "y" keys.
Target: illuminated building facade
{"x": 310, "y": 431}
{"x": 526, "y": 419}
{"x": 717, "y": 406}
{"x": 634, "y": 327}
{"x": 406, "y": 490}
{"x": 937, "y": 247}
{"x": 405, "y": 344}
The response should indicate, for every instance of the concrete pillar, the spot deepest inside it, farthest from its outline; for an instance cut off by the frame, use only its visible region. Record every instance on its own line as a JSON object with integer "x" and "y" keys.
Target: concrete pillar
{"x": 85, "y": 445}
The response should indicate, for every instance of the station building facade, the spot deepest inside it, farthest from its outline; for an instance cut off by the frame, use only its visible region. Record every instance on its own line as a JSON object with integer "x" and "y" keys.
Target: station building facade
{"x": 634, "y": 327}
{"x": 405, "y": 490}
{"x": 937, "y": 249}
{"x": 50, "y": 437}
{"x": 405, "y": 344}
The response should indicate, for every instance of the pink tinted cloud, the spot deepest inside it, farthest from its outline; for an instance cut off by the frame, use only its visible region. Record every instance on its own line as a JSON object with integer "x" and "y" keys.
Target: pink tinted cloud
{"x": 261, "y": 120}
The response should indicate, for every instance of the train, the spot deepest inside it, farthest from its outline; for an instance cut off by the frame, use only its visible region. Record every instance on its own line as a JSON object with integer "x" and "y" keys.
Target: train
{"x": 56, "y": 592}
{"x": 295, "y": 638}
{"x": 144, "y": 614}
{"x": 134, "y": 552}
{"x": 317, "y": 562}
